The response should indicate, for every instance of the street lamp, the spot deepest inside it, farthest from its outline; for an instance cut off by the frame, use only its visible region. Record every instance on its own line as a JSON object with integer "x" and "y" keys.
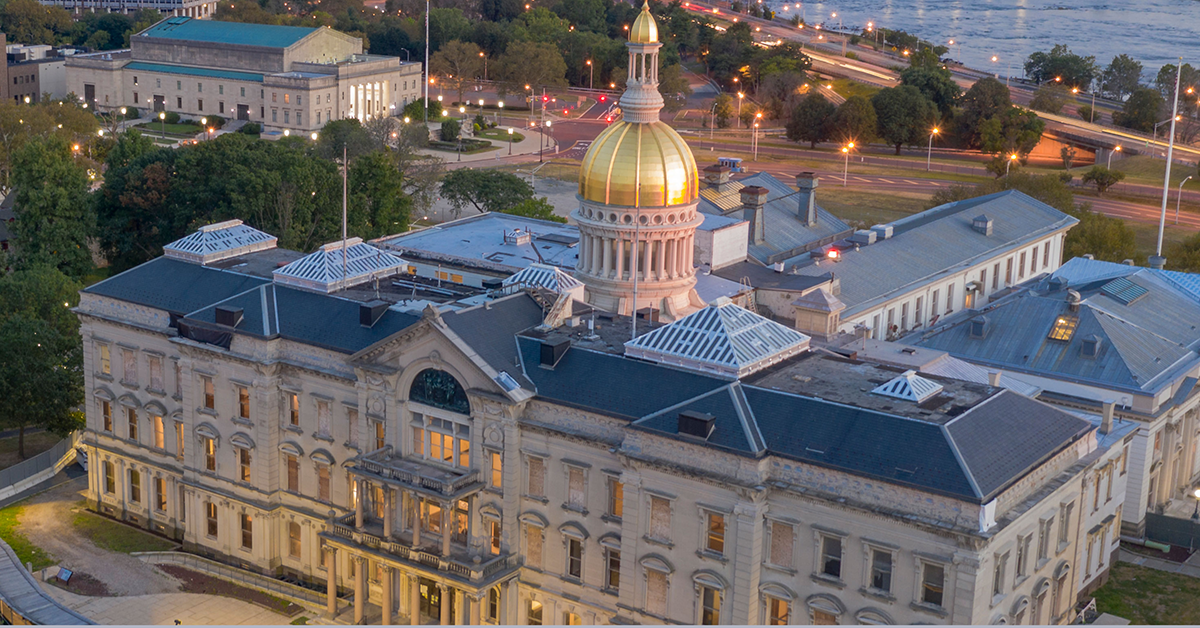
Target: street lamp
{"x": 994, "y": 60}
{"x": 1110, "y": 154}
{"x": 846, "y": 165}
{"x": 314, "y": 136}
{"x": 1008, "y": 166}
{"x": 162, "y": 118}
{"x": 1092, "y": 116}
{"x": 1158, "y": 124}
{"x": 484, "y": 57}
{"x": 510, "y": 140}
{"x": 741, "y": 95}
{"x": 757, "y": 119}
{"x": 929, "y": 153}
{"x": 1196, "y": 512}
{"x": 591, "y": 73}
{"x": 1178, "y": 197}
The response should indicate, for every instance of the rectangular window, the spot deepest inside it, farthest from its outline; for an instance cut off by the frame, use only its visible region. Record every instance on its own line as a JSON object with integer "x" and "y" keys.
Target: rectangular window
{"x": 210, "y": 515}
{"x": 178, "y": 381}
{"x": 533, "y": 546}
{"x": 497, "y": 479}
{"x": 881, "y": 570}
{"x": 949, "y": 298}
{"x": 210, "y": 455}
{"x": 247, "y": 532}
{"x": 1023, "y": 544}
{"x": 293, "y": 473}
{"x": 1008, "y": 272}
{"x": 933, "y": 303}
{"x": 178, "y": 84}
{"x": 133, "y": 424}
{"x": 710, "y": 606}
{"x": 1046, "y": 256}
{"x": 274, "y": 97}
{"x": 128, "y": 366}
{"x": 660, "y": 518}
{"x": 575, "y": 489}
{"x": 777, "y": 612}
{"x": 494, "y": 530}
{"x": 1064, "y": 530}
{"x": 274, "y": 115}
{"x": 179, "y": 438}
{"x": 1125, "y": 460}
{"x": 380, "y": 434}
{"x": 535, "y": 613}
{"x": 933, "y": 582}
{"x": 323, "y": 418}
{"x": 243, "y": 402}
{"x": 221, "y": 106}
{"x": 179, "y": 102}
{"x": 293, "y": 539}
{"x": 996, "y": 276}
{"x": 293, "y": 401}
{"x": 574, "y": 558}
{"x": 715, "y": 536}
{"x": 135, "y": 82}
{"x": 537, "y": 475}
{"x": 656, "y": 592}
{"x": 287, "y": 116}
{"x": 210, "y": 398}
{"x": 106, "y": 415}
{"x": 287, "y": 98}
{"x": 831, "y": 556}
{"x": 220, "y": 89}
{"x": 160, "y": 494}
{"x": 612, "y": 569}
{"x": 243, "y": 92}
{"x": 159, "y": 437}
{"x": 1044, "y": 539}
{"x": 917, "y": 313}
{"x": 110, "y": 478}
{"x": 156, "y": 372}
{"x": 616, "y": 497}
{"x": 1033, "y": 260}
{"x": 200, "y": 104}
{"x": 781, "y": 544}
{"x": 493, "y": 612}
{"x": 1021, "y": 266}
{"x": 135, "y": 96}
{"x": 903, "y": 316}
{"x": 352, "y": 421}
{"x": 1096, "y": 493}
{"x": 244, "y": 465}
{"x": 998, "y": 574}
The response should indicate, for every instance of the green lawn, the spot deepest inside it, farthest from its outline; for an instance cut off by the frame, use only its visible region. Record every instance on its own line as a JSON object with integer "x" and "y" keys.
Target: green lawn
{"x": 26, "y": 552}
{"x": 35, "y": 443}
{"x": 847, "y": 88}
{"x": 501, "y": 134}
{"x": 1148, "y": 170}
{"x": 116, "y": 537}
{"x": 1147, "y": 596}
{"x": 157, "y": 128}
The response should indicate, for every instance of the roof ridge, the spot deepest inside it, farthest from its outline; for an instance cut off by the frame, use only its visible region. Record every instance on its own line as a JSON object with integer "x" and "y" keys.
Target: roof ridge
{"x": 685, "y": 402}
{"x": 958, "y": 457}
{"x": 747, "y": 418}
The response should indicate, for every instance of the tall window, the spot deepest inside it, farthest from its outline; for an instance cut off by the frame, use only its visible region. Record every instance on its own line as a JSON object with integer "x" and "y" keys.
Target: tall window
{"x": 1023, "y": 543}
{"x": 714, "y": 539}
{"x": 656, "y": 592}
{"x": 210, "y": 516}
{"x": 616, "y": 497}
{"x": 1021, "y": 266}
{"x": 533, "y": 546}
{"x": 933, "y": 303}
{"x": 881, "y": 570}
{"x": 1044, "y": 538}
{"x": 180, "y": 436}
{"x": 210, "y": 400}
{"x": 352, "y": 420}
{"x": 323, "y": 418}
{"x": 449, "y": 441}
{"x": 535, "y": 613}
{"x": 493, "y": 612}
{"x": 497, "y": 479}
{"x": 831, "y": 556}
{"x": 293, "y": 473}
{"x": 933, "y": 582}
{"x": 156, "y": 373}
{"x": 574, "y": 558}
{"x": 210, "y": 455}
{"x": 494, "y": 532}
{"x": 243, "y": 402}
{"x": 106, "y": 415}
{"x": 159, "y": 437}
{"x": 160, "y": 494}
{"x": 293, "y": 539}
{"x": 131, "y": 414}
{"x": 710, "y": 606}
{"x": 244, "y": 465}
{"x": 660, "y": 518}
{"x": 105, "y": 360}
{"x": 537, "y": 477}
{"x": 998, "y": 573}
{"x": 129, "y": 366}
{"x": 781, "y": 544}
{"x": 293, "y": 401}
{"x": 949, "y": 298}
{"x": 381, "y": 433}
{"x": 576, "y": 497}
{"x": 996, "y": 276}
{"x": 323, "y": 483}
{"x": 247, "y": 531}
{"x": 178, "y": 380}
{"x": 1064, "y": 530}
{"x": 110, "y": 478}
{"x": 1033, "y": 260}
{"x": 777, "y": 611}
{"x": 612, "y": 568}
{"x": 1046, "y": 256}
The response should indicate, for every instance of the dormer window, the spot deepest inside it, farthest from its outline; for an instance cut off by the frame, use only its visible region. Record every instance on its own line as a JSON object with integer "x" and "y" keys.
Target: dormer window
{"x": 1090, "y": 347}
{"x": 979, "y": 327}
{"x": 1064, "y": 328}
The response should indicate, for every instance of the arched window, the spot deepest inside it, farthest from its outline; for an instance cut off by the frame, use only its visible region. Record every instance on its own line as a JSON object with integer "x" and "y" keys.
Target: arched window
{"x": 439, "y": 389}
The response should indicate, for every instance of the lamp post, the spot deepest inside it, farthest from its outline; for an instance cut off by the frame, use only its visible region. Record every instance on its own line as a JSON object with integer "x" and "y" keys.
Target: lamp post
{"x": 741, "y": 95}
{"x": 1092, "y": 116}
{"x": 712, "y": 123}
{"x": 1110, "y": 154}
{"x": 1196, "y": 511}
{"x": 484, "y": 57}
{"x": 162, "y": 118}
{"x": 591, "y": 73}
{"x": 510, "y": 140}
{"x": 1179, "y": 197}
{"x": 846, "y": 164}
{"x": 756, "y": 136}
{"x": 994, "y": 60}
{"x": 929, "y": 153}
{"x": 499, "y": 110}
{"x": 1008, "y": 166}
{"x": 481, "y": 109}
{"x": 1158, "y": 124}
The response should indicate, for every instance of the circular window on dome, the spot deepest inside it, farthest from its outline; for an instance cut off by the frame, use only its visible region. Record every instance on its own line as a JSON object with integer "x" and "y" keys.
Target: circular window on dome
{"x": 626, "y": 219}
{"x": 612, "y": 217}
{"x": 658, "y": 219}
{"x": 587, "y": 213}
{"x": 643, "y": 220}
{"x": 671, "y": 218}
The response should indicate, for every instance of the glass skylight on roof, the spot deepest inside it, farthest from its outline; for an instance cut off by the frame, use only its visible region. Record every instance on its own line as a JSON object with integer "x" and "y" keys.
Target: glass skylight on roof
{"x": 1123, "y": 290}
{"x": 219, "y": 241}
{"x": 325, "y": 271}
{"x": 910, "y": 387}
{"x": 545, "y": 276}
{"x": 1064, "y": 328}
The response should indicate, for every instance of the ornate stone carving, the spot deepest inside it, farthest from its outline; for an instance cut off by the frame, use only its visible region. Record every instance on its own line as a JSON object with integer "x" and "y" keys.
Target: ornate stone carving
{"x": 493, "y": 436}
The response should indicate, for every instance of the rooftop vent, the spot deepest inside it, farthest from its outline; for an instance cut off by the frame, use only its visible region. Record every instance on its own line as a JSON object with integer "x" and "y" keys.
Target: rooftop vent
{"x": 545, "y": 276}
{"x": 864, "y": 237}
{"x": 1073, "y": 300}
{"x": 979, "y": 327}
{"x": 883, "y": 232}
{"x": 228, "y": 316}
{"x": 910, "y": 387}
{"x": 369, "y": 313}
{"x": 1090, "y": 348}
{"x": 696, "y": 424}
{"x": 518, "y": 236}
{"x": 1058, "y": 283}
{"x": 982, "y": 224}
{"x": 553, "y": 351}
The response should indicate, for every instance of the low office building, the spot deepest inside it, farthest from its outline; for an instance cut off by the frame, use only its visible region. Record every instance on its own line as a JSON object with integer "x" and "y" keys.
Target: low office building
{"x": 510, "y": 463}
{"x": 183, "y": 8}
{"x": 36, "y": 72}
{"x": 284, "y": 77}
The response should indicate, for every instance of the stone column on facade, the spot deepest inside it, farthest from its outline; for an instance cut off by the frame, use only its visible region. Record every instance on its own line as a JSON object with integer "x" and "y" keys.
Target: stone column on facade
{"x": 360, "y": 588}
{"x": 461, "y": 608}
{"x": 620, "y": 274}
{"x": 358, "y": 504}
{"x": 661, "y": 261}
{"x": 476, "y": 603}
{"x": 445, "y": 604}
{"x": 747, "y": 559}
{"x": 414, "y": 502}
{"x": 581, "y": 265}
{"x": 330, "y": 582}
{"x": 447, "y": 518}
{"x": 414, "y": 600}
{"x": 388, "y": 512}
{"x": 646, "y": 259}
{"x": 672, "y": 257}
{"x": 608, "y": 257}
{"x": 385, "y": 582}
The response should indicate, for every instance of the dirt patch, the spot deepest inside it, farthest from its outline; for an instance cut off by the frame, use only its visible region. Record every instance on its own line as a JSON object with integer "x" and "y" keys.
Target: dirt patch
{"x": 47, "y": 523}
{"x": 83, "y": 584}
{"x": 196, "y": 582}
{"x": 1177, "y": 554}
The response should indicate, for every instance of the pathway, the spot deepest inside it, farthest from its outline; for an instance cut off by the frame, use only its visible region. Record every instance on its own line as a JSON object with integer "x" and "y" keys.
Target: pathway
{"x": 164, "y": 608}
{"x": 1190, "y": 567}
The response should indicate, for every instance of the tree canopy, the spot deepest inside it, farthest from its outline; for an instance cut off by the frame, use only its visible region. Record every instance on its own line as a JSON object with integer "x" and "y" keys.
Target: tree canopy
{"x": 904, "y": 114}
{"x": 485, "y": 190}
{"x": 810, "y": 119}
{"x": 53, "y": 220}
{"x": 1062, "y": 66}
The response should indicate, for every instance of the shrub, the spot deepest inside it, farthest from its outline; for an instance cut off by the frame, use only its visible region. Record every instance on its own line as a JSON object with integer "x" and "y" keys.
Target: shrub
{"x": 216, "y": 122}
{"x": 131, "y": 113}
{"x": 251, "y": 128}
{"x": 172, "y": 117}
{"x": 450, "y": 130}
{"x": 852, "y": 55}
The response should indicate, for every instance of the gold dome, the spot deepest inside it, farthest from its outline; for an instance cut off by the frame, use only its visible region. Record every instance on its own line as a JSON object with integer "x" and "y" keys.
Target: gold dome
{"x": 644, "y": 29}
{"x": 646, "y": 165}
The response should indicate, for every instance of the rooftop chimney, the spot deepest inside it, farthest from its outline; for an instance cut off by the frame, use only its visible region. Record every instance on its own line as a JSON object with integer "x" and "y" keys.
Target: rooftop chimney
{"x": 754, "y": 201}
{"x": 1073, "y": 300}
{"x": 228, "y": 316}
{"x": 994, "y": 378}
{"x": 553, "y": 351}
{"x": 717, "y": 177}
{"x": 807, "y": 182}
{"x": 1157, "y": 262}
{"x": 370, "y": 312}
{"x": 1107, "y": 418}
{"x": 696, "y": 424}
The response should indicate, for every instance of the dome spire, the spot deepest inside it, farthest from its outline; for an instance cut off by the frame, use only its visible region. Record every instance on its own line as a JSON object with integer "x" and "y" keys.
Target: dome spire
{"x": 641, "y": 101}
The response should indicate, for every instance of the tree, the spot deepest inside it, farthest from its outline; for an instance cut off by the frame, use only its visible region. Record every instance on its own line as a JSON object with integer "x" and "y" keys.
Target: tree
{"x": 28, "y": 22}
{"x": 499, "y": 10}
{"x": 810, "y": 119}
{"x": 347, "y": 134}
{"x": 534, "y": 64}
{"x": 1060, "y": 63}
{"x": 855, "y": 120}
{"x": 53, "y": 218}
{"x": 904, "y": 115}
{"x": 129, "y": 146}
{"x": 1103, "y": 178}
{"x": 1088, "y": 114}
{"x": 1121, "y": 77}
{"x": 723, "y": 109}
{"x": 1012, "y": 131}
{"x": 1185, "y": 255}
{"x": 985, "y": 99}
{"x": 673, "y": 86}
{"x": 457, "y": 64}
{"x": 1165, "y": 80}
{"x": 376, "y": 191}
{"x": 485, "y": 190}
{"x": 538, "y": 208}
{"x": 1068, "y": 156}
{"x": 936, "y": 84}
{"x": 41, "y": 377}
{"x": 1050, "y": 98}
{"x": 450, "y": 131}
{"x": 1141, "y": 110}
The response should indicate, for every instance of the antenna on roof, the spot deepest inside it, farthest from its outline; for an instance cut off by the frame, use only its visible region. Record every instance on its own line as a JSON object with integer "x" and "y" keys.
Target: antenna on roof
{"x": 345, "y": 167}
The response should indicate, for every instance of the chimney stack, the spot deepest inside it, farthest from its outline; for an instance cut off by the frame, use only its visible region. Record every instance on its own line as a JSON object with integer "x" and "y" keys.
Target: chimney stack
{"x": 807, "y": 182}
{"x": 754, "y": 201}
{"x": 1106, "y": 421}
{"x": 717, "y": 177}
{"x": 994, "y": 378}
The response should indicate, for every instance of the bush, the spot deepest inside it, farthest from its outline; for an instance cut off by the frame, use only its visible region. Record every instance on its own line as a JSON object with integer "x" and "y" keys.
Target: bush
{"x": 251, "y": 128}
{"x": 852, "y": 55}
{"x": 131, "y": 113}
{"x": 1103, "y": 178}
{"x": 216, "y": 122}
{"x": 480, "y": 122}
{"x": 450, "y": 130}
{"x": 172, "y": 117}
{"x": 854, "y": 39}
{"x": 1066, "y": 177}
{"x": 1085, "y": 114}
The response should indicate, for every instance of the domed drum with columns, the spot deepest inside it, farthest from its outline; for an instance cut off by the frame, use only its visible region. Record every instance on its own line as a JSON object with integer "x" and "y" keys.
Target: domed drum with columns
{"x": 638, "y": 190}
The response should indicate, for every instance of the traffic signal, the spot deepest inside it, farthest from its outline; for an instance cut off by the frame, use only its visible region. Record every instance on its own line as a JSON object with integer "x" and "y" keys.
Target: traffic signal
{"x": 545, "y": 98}
{"x": 603, "y": 98}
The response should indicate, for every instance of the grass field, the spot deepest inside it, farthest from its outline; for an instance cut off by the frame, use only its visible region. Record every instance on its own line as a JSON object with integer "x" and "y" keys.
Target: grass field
{"x": 847, "y": 88}
{"x": 26, "y": 552}
{"x": 501, "y": 134}
{"x": 862, "y": 209}
{"x": 35, "y": 443}
{"x": 1147, "y": 596}
{"x": 562, "y": 170}
{"x": 116, "y": 537}
{"x": 1148, "y": 170}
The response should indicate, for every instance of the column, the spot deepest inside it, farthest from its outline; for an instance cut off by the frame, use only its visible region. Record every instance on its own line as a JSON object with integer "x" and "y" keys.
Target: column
{"x": 414, "y": 600}
{"x": 672, "y": 254}
{"x": 581, "y": 265}
{"x": 476, "y": 602}
{"x": 606, "y": 271}
{"x": 447, "y": 517}
{"x": 358, "y": 504}
{"x": 596, "y": 253}
{"x": 415, "y": 502}
{"x": 386, "y": 602}
{"x": 460, "y": 611}
{"x": 620, "y": 259}
{"x": 647, "y": 259}
{"x": 445, "y": 598}
{"x": 660, "y": 263}
{"x": 330, "y": 582}
{"x": 388, "y": 513}
{"x": 360, "y": 588}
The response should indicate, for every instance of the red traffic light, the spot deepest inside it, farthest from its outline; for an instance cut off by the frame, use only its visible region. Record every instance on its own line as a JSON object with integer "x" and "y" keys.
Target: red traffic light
{"x": 603, "y": 98}
{"x": 545, "y": 99}
{"x": 564, "y": 112}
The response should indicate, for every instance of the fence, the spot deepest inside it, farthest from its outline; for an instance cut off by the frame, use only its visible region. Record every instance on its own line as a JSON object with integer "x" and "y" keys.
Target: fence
{"x": 1172, "y": 530}
{"x": 286, "y": 590}
{"x": 23, "y": 602}
{"x": 43, "y": 466}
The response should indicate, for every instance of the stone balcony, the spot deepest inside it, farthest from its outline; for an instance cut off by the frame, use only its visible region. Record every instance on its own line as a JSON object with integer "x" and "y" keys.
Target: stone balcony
{"x": 384, "y": 466}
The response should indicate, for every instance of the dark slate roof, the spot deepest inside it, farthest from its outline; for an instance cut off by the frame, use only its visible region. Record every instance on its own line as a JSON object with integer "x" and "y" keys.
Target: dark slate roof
{"x": 723, "y": 404}
{"x": 611, "y": 384}
{"x": 765, "y": 278}
{"x": 316, "y": 319}
{"x": 1008, "y": 435}
{"x": 489, "y": 330}
{"x": 174, "y": 286}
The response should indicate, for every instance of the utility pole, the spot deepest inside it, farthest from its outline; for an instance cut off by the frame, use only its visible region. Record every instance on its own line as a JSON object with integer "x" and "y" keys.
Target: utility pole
{"x": 426, "y": 87}
{"x": 1158, "y": 261}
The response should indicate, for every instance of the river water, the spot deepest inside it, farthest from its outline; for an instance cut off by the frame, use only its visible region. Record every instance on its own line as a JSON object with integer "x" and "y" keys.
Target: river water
{"x": 1153, "y": 32}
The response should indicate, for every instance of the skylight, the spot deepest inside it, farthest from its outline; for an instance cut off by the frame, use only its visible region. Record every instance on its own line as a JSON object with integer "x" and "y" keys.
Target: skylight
{"x": 1124, "y": 290}
{"x": 1064, "y": 328}
{"x": 219, "y": 241}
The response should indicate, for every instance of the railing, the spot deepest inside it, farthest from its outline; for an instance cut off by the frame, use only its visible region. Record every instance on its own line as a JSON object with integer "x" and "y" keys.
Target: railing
{"x": 342, "y": 527}
{"x": 443, "y": 487}
{"x": 45, "y": 461}
{"x": 286, "y": 590}
{"x": 23, "y": 602}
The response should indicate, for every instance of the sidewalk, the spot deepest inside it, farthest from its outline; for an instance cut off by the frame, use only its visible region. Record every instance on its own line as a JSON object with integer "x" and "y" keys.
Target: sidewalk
{"x": 532, "y": 143}
{"x": 164, "y": 608}
{"x": 1189, "y": 568}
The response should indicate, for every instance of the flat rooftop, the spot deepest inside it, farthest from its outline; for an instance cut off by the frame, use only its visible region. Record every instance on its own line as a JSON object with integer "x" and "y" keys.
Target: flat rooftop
{"x": 482, "y": 242}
